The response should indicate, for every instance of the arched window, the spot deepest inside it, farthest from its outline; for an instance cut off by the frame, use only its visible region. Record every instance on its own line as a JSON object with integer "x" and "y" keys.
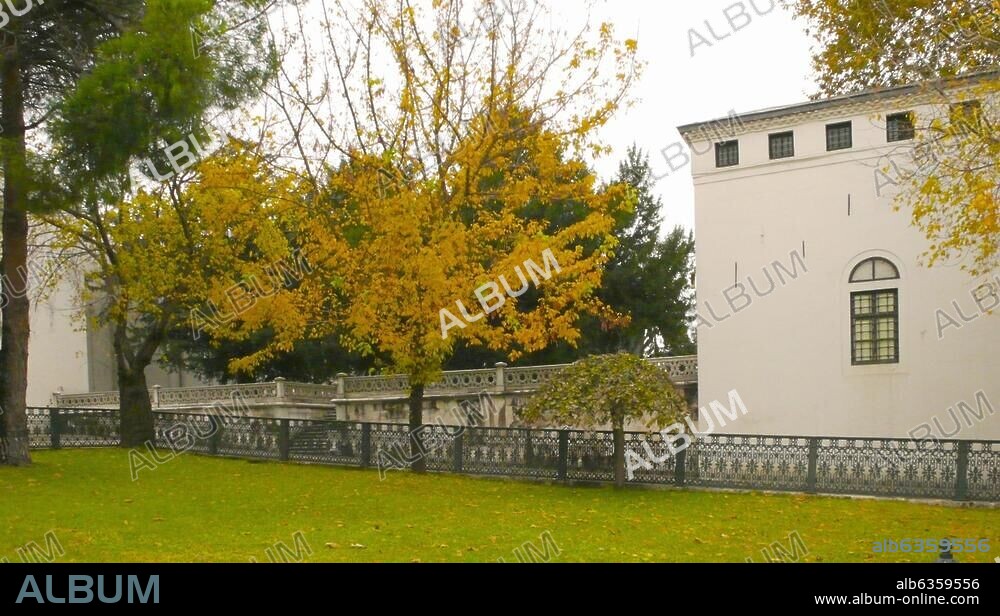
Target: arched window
{"x": 874, "y": 269}
{"x": 874, "y": 315}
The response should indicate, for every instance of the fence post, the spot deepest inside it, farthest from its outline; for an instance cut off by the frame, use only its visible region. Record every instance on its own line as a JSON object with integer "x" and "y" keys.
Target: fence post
{"x": 215, "y": 436}
{"x": 458, "y": 451}
{"x": 55, "y": 427}
{"x": 366, "y": 445}
{"x": 962, "y": 472}
{"x": 680, "y": 467}
{"x": 284, "y": 444}
{"x": 529, "y": 453}
{"x": 279, "y": 387}
{"x": 563, "y": 453}
{"x": 156, "y": 396}
{"x": 813, "y": 459}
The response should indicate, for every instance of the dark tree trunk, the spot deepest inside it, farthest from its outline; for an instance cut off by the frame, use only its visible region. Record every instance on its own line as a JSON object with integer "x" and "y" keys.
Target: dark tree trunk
{"x": 416, "y": 433}
{"x": 13, "y": 265}
{"x": 619, "y": 456}
{"x": 136, "y": 409}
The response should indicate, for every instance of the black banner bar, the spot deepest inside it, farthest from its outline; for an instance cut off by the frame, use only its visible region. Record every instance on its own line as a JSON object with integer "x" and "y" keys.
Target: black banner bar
{"x": 69, "y": 587}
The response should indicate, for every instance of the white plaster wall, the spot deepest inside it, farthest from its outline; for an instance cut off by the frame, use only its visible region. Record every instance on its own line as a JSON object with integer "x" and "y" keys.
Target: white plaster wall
{"x": 59, "y": 355}
{"x": 57, "y": 352}
{"x": 788, "y": 354}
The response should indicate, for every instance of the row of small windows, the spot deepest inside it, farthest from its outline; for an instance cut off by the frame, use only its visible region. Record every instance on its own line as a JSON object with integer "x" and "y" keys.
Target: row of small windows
{"x": 839, "y": 136}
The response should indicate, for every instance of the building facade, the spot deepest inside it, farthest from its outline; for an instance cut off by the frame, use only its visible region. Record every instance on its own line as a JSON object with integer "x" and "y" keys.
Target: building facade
{"x": 813, "y": 302}
{"x": 67, "y": 353}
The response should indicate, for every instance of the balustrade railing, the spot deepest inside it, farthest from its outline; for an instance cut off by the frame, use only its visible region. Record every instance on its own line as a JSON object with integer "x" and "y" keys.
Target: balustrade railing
{"x": 682, "y": 370}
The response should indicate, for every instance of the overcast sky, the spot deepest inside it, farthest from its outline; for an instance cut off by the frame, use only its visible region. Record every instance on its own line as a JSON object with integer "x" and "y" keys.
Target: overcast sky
{"x": 763, "y": 64}
{"x": 761, "y": 61}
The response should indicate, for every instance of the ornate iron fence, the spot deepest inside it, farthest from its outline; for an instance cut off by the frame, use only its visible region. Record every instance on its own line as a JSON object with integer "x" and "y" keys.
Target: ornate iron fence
{"x": 957, "y": 470}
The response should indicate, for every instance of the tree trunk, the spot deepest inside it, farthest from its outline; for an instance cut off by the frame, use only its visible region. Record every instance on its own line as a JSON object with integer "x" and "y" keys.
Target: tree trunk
{"x": 136, "y": 411}
{"x": 132, "y": 357}
{"x": 619, "y": 456}
{"x": 13, "y": 265}
{"x": 416, "y": 433}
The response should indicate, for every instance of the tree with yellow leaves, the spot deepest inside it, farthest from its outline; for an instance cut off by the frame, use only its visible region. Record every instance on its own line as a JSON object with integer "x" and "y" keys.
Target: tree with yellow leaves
{"x": 154, "y": 259}
{"x": 951, "y": 184}
{"x": 86, "y": 90}
{"x": 458, "y": 121}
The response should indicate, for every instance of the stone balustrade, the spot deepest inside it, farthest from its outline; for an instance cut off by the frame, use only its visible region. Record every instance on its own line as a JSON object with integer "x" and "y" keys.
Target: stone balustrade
{"x": 682, "y": 370}
{"x": 369, "y": 398}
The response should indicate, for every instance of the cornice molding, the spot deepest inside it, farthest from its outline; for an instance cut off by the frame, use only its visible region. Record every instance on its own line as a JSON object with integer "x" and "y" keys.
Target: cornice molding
{"x": 815, "y": 111}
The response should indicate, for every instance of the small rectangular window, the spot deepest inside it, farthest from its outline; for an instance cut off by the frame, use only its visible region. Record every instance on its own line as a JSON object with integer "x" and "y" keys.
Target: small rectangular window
{"x": 782, "y": 145}
{"x": 899, "y": 126}
{"x": 838, "y": 136}
{"x": 727, "y": 153}
{"x": 875, "y": 327}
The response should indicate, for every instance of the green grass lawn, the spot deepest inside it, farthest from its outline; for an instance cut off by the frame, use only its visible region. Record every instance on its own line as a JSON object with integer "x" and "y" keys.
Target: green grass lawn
{"x": 208, "y": 509}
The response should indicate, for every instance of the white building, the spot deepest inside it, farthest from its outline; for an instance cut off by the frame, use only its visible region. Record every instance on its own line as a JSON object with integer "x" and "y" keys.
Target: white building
{"x": 797, "y": 244}
{"x": 59, "y": 354}
{"x": 69, "y": 354}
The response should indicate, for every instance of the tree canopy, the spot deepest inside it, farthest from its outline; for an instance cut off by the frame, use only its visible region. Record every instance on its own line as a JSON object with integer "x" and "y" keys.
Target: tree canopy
{"x": 449, "y": 123}
{"x": 608, "y": 390}
{"x": 950, "y": 178}
{"x": 96, "y": 85}
{"x": 154, "y": 258}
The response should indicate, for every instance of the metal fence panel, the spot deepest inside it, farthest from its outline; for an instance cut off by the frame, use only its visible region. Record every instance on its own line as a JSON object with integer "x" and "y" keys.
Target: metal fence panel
{"x": 653, "y": 450}
{"x": 185, "y": 432}
{"x": 513, "y": 452}
{"x": 887, "y": 467}
{"x": 325, "y": 442}
{"x": 748, "y": 462}
{"x": 39, "y": 428}
{"x": 984, "y": 471}
{"x": 249, "y": 437}
{"x": 87, "y": 428}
